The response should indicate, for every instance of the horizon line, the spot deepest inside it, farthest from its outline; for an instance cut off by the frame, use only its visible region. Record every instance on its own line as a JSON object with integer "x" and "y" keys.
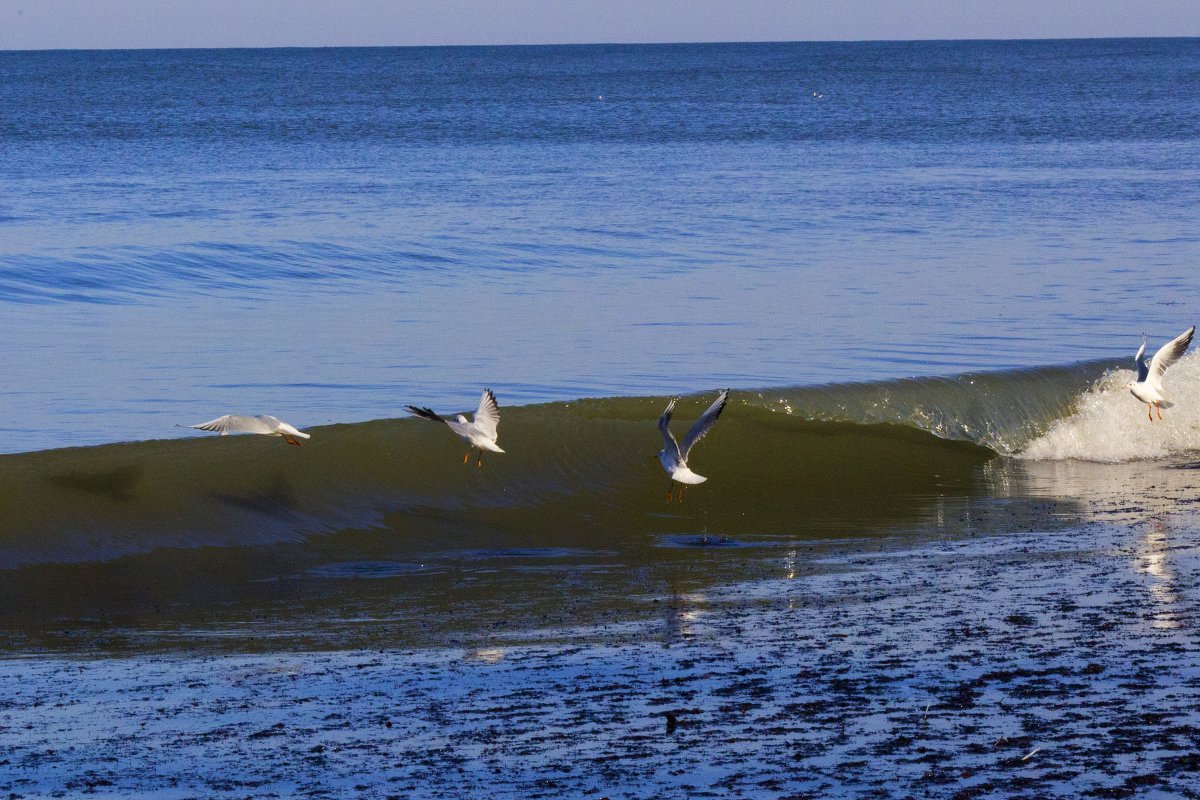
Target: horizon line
{"x": 597, "y": 44}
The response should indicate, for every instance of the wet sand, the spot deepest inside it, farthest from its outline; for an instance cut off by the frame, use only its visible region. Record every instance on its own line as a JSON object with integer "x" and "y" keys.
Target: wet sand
{"x": 1060, "y": 664}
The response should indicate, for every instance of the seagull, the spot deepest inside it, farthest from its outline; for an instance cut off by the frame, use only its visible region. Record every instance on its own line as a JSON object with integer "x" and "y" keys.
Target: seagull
{"x": 674, "y": 457}
{"x": 264, "y": 424}
{"x": 479, "y": 434}
{"x": 1148, "y": 387}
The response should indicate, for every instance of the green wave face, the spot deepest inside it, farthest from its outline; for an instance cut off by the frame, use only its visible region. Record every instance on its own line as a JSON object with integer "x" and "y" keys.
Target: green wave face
{"x": 783, "y": 462}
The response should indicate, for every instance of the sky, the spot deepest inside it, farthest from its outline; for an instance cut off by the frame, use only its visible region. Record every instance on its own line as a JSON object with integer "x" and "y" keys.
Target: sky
{"x": 55, "y": 24}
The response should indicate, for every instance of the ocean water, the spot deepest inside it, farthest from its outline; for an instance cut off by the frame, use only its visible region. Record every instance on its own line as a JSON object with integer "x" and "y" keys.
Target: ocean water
{"x": 327, "y": 235}
{"x": 922, "y": 267}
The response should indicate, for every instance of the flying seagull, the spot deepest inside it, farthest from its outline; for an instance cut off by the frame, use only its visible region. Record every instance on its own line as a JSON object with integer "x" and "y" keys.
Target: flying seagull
{"x": 674, "y": 457}
{"x": 479, "y": 434}
{"x": 1148, "y": 387}
{"x": 264, "y": 424}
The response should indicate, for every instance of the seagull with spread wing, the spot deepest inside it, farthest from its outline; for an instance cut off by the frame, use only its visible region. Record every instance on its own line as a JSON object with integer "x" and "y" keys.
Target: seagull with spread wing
{"x": 1148, "y": 387}
{"x": 480, "y": 433}
{"x": 264, "y": 424}
{"x": 673, "y": 456}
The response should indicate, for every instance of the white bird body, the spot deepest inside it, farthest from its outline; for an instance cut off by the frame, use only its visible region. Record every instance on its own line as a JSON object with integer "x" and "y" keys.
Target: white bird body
{"x": 481, "y": 433}
{"x": 471, "y": 432}
{"x": 1150, "y": 395}
{"x": 1148, "y": 387}
{"x": 673, "y": 456}
{"x": 679, "y": 472}
{"x": 264, "y": 424}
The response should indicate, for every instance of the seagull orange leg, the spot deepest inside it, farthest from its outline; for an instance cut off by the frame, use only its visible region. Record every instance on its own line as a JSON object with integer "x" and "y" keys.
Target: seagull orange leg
{"x": 467, "y": 457}
{"x": 1150, "y": 412}
{"x": 479, "y": 461}
{"x": 1159, "y": 407}
{"x": 670, "y": 491}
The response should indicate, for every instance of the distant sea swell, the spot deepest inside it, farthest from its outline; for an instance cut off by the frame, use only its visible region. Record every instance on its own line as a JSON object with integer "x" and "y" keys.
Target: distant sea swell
{"x": 136, "y": 274}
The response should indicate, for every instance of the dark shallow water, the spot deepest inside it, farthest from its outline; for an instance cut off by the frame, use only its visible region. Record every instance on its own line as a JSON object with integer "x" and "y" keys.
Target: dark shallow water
{"x": 1056, "y": 664}
{"x": 439, "y": 570}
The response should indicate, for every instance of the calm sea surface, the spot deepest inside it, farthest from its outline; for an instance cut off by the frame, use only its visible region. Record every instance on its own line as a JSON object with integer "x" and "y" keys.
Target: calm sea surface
{"x": 326, "y": 235}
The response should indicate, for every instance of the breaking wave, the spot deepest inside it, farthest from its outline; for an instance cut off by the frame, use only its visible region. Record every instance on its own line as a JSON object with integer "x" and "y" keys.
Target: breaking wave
{"x": 1107, "y": 424}
{"x": 827, "y": 460}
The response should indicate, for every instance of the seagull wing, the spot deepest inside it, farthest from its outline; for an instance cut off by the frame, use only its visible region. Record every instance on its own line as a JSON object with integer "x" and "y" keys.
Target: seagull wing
{"x": 664, "y": 425}
{"x": 1142, "y": 367}
{"x": 236, "y": 423}
{"x": 463, "y": 429}
{"x": 424, "y": 413}
{"x": 1169, "y": 353}
{"x": 487, "y": 416}
{"x": 705, "y": 423}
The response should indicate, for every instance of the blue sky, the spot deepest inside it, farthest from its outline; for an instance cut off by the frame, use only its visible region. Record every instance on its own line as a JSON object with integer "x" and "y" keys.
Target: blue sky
{"x": 42, "y": 24}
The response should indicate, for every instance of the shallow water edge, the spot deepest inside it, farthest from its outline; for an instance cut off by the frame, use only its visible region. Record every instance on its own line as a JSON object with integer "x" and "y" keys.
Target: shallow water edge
{"x": 1054, "y": 663}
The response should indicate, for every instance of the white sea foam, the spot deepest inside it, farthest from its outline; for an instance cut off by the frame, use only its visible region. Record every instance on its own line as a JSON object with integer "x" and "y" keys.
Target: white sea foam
{"x": 1109, "y": 424}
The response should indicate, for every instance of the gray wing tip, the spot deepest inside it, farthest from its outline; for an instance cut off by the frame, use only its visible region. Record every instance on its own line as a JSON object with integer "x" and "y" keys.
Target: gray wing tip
{"x": 1185, "y": 338}
{"x": 721, "y": 401}
{"x": 664, "y": 419}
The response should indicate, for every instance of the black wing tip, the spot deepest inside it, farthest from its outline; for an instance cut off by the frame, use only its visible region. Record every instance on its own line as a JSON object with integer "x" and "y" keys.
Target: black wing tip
{"x": 425, "y": 413}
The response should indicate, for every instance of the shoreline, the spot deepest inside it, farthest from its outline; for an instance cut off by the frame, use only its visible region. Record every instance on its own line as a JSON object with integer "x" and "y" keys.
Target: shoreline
{"x": 1062, "y": 664}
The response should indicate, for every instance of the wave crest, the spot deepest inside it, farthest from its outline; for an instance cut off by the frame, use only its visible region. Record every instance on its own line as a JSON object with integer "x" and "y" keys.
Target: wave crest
{"x": 1108, "y": 424}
